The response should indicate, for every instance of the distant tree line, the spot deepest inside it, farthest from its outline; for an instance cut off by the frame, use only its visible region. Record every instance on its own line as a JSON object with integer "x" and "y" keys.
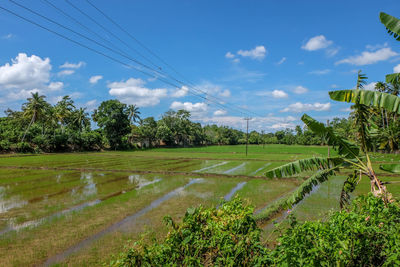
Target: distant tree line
{"x": 42, "y": 127}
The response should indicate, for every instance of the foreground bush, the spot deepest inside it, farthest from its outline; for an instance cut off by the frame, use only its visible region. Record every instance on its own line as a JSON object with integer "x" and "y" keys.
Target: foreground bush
{"x": 368, "y": 234}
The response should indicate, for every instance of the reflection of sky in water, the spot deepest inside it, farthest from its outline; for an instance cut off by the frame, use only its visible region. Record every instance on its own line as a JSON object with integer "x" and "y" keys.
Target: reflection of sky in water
{"x": 58, "y": 177}
{"x": 10, "y": 203}
{"x": 90, "y": 187}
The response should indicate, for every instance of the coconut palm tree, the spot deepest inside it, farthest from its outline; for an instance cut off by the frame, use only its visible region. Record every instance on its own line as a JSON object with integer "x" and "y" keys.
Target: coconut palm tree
{"x": 133, "y": 113}
{"x": 35, "y": 109}
{"x": 80, "y": 118}
{"x": 63, "y": 110}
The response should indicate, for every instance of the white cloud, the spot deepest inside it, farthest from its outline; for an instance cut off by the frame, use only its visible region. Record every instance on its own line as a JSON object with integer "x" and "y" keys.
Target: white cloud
{"x": 236, "y": 60}
{"x": 367, "y": 57}
{"x": 19, "y": 95}
{"x": 220, "y": 112}
{"x": 229, "y": 55}
{"x": 279, "y": 94}
{"x": 56, "y": 86}
{"x": 193, "y": 108}
{"x": 180, "y": 92}
{"x": 258, "y": 52}
{"x": 320, "y": 72}
{"x": 214, "y": 89}
{"x": 90, "y": 105}
{"x": 300, "y": 107}
{"x": 68, "y": 65}
{"x": 370, "y": 86}
{"x": 281, "y": 61}
{"x": 25, "y": 72}
{"x": 95, "y": 79}
{"x": 396, "y": 69}
{"x": 346, "y": 109}
{"x": 282, "y": 125}
{"x": 8, "y": 36}
{"x": 66, "y": 72}
{"x": 132, "y": 91}
{"x": 316, "y": 43}
{"x": 300, "y": 90}
{"x": 332, "y": 51}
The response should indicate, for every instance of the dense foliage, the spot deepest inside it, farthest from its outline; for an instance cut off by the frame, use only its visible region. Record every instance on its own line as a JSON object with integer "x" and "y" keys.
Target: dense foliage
{"x": 42, "y": 127}
{"x": 367, "y": 234}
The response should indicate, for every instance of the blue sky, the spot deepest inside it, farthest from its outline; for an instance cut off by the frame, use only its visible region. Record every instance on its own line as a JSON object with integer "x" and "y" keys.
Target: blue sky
{"x": 277, "y": 59}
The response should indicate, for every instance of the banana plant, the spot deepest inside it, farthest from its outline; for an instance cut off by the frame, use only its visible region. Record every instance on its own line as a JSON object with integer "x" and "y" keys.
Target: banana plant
{"x": 349, "y": 154}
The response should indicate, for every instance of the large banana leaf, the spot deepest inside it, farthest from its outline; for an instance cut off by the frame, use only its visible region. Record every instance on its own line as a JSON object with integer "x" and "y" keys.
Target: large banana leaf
{"x": 394, "y": 168}
{"x": 306, "y": 187}
{"x": 299, "y": 166}
{"x": 392, "y": 24}
{"x": 368, "y": 98}
{"x": 344, "y": 147}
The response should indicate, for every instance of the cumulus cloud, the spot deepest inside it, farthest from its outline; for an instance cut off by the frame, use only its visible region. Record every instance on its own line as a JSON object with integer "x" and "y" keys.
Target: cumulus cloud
{"x": 300, "y": 90}
{"x": 56, "y": 86}
{"x": 396, "y": 69}
{"x": 220, "y": 112}
{"x": 25, "y": 72}
{"x": 302, "y": 107}
{"x": 368, "y": 57}
{"x": 68, "y": 65}
{"x": 258, "y": 52}
{"x": 279, "y": 94}
{"x": 281, "y": 61}
{"x": 181, "y": 92}
{"x": 95, "y": 79}
{"x": 193, "y": 108}
{"x": 91, "y": 105}
{"x": 316, "y": 43}
{"x": 283, "y": 125}
{"x": 320, "y": 72}
{"x": 370, "y": 86}
{"x": 132, "y": 91}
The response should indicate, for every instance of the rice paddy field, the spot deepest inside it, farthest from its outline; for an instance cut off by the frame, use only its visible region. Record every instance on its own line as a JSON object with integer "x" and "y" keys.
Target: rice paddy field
{"x": 86, "y": 208}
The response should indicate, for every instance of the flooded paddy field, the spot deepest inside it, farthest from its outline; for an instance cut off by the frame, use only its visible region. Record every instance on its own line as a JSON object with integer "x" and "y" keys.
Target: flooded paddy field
{"x": 83, "y": 208}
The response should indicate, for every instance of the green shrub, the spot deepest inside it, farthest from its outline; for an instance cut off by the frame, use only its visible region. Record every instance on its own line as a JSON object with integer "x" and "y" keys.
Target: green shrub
{"x": 368, "y": 234}
{"x": 226, "y": 236}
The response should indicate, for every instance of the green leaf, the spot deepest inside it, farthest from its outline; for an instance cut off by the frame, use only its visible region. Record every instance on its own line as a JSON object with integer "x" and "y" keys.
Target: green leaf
{"x": 307, "y": 186}
{"x": 344, "y": 147}
{"x": 368, "y": 98}
{"x": 394, "y": 168}
{"x": 393, "y": 78}
{"x": 392, "y": 24}
{"x": 299, "y": 166}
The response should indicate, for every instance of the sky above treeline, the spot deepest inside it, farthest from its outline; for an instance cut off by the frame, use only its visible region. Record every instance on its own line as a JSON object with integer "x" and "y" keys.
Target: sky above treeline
{"x": 220, "y": 60}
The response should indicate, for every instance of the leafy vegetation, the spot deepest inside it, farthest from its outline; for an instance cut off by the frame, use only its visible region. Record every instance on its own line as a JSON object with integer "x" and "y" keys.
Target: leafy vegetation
{"x": 229, "y": 236}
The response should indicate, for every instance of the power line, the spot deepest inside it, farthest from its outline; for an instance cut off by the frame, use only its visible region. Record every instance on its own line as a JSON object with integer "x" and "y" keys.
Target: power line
{"x": 154, "y": 54}
{"x": 96, "y": 51}
{"x": 103, "y": 54}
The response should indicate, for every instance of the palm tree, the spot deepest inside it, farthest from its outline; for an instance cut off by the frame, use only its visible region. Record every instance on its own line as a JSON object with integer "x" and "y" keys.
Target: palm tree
{"x": 133, "y": 113}
{"x": 80, "y": 118}
{"x": 63, "y": 110}
{"x": 35, "y": 109}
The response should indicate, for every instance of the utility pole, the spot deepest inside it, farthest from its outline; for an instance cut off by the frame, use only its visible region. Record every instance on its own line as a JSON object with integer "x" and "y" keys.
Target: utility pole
{"x": 329, "y": 149}
{"x": 262, "y": 136}
{"x": 247, "y": 133}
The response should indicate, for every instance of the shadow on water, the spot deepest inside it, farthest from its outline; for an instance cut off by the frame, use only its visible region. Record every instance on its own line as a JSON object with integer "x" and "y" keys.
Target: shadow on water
{"x": 120, "y": 225}
{"x": 141, "y": 183}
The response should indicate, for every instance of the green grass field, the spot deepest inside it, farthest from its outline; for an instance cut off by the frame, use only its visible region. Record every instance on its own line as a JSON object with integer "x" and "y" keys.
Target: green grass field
{"x": 84, "y": 208}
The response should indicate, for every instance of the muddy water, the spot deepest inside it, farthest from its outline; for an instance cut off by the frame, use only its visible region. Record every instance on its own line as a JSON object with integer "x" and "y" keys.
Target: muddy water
{"x": 16, "y": 227}
{"x": 26, "y": 204}
{"x": 120, "y": 225}
{"x": 234, "y": 190}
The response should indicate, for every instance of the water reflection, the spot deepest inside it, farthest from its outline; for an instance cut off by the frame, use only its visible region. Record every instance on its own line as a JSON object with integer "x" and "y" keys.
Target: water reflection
{"x": 7, "y": 204}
